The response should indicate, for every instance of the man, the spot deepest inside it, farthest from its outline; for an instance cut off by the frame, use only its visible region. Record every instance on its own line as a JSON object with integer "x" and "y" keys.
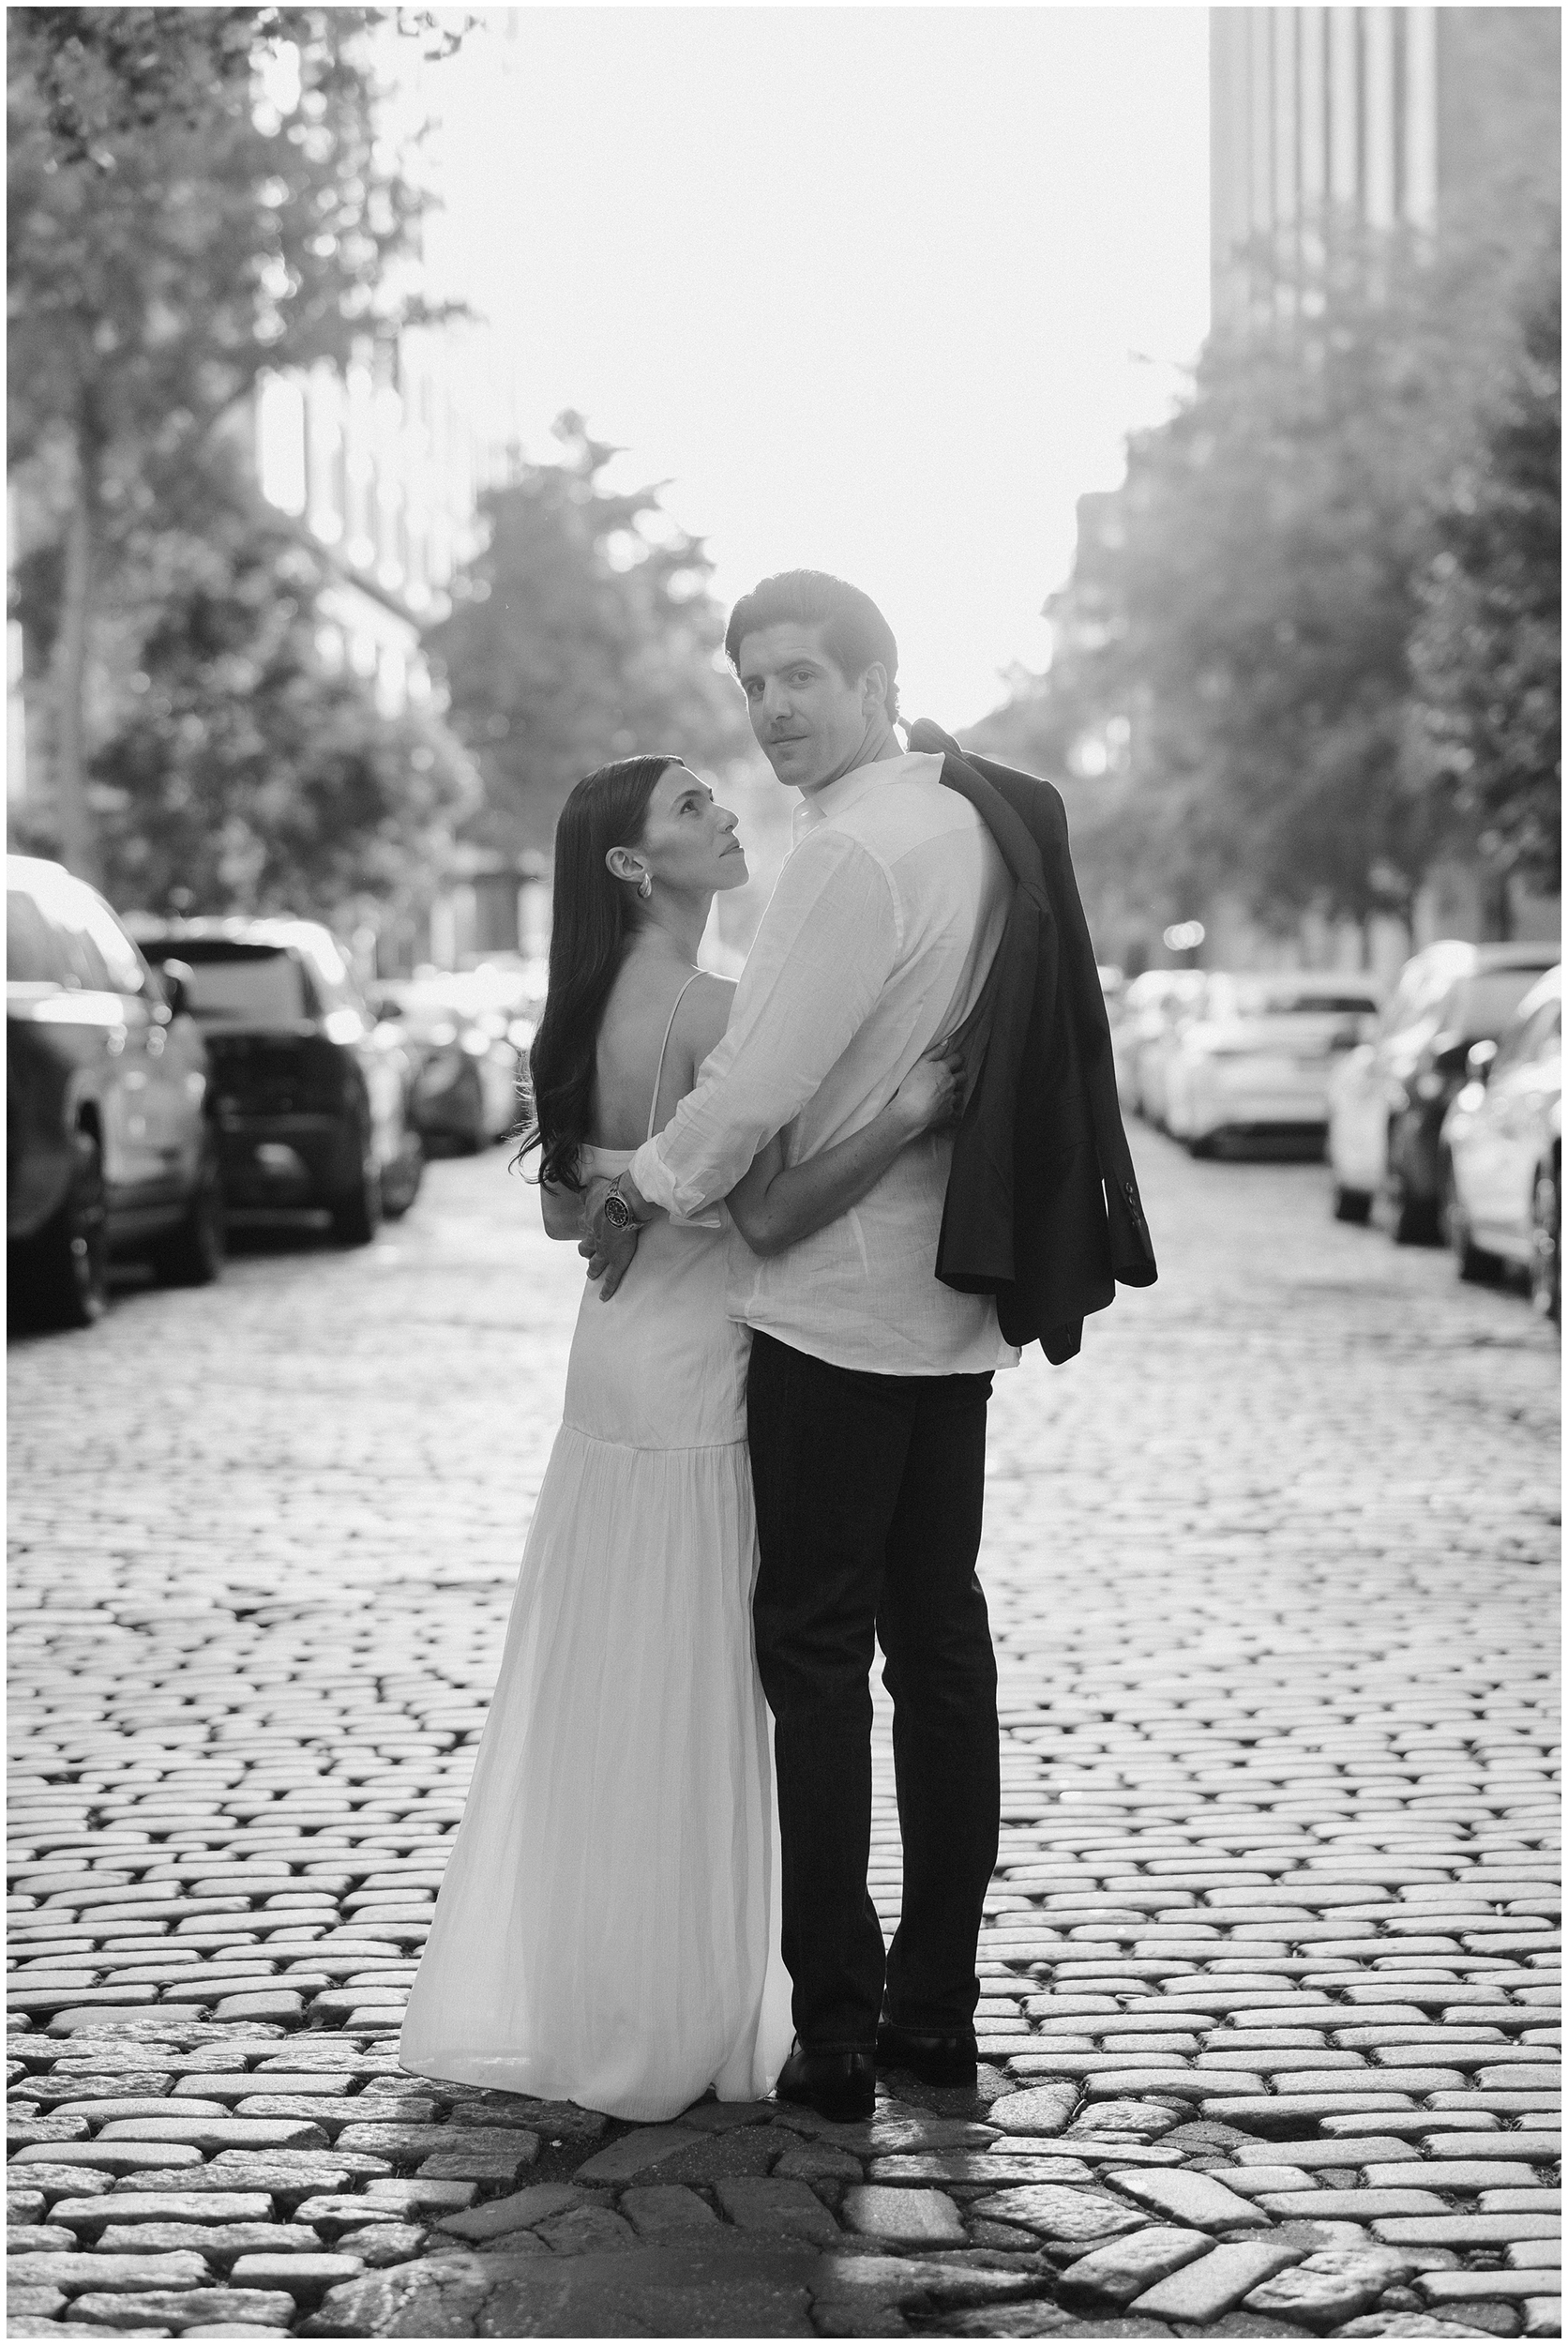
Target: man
{"x": 869, "y": 1378}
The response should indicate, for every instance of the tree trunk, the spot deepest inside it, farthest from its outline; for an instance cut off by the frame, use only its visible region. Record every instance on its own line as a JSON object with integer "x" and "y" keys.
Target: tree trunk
{"x": 1496, "y": 906}
{"x": 69, "y": 669}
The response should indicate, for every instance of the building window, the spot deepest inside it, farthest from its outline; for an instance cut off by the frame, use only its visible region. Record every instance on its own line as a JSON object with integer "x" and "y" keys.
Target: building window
{"x": 391, "y": 682}
{"x": 325, "y": 451}
{"x": 281, "y": 442}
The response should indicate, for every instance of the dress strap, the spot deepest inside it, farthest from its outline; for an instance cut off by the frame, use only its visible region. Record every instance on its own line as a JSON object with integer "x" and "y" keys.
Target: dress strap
{"x": 658, "y": 1078}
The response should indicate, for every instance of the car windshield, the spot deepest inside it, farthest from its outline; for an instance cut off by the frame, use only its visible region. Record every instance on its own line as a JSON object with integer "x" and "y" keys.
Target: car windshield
{"x": 1280, "y": 998}
{"x": 1486, "y": 1002}
{"x": 255, "y": 985}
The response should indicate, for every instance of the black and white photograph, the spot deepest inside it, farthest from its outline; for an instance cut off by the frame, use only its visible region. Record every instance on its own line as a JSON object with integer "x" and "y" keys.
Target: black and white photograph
{"x": 784, "y": 1132}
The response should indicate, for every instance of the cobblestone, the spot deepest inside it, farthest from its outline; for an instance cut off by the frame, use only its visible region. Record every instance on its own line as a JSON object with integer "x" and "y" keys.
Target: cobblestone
{"x": 1270, "y": 1953}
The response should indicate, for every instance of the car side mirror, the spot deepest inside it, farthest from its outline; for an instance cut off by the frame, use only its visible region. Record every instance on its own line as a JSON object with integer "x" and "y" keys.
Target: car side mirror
{"x": 178, "y": 978}
{"x": 1478, "y": 1060}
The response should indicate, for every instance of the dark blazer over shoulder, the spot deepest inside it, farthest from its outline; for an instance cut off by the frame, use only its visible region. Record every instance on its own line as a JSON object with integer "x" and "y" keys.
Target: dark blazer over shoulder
{"x": 1042, "y": 1209}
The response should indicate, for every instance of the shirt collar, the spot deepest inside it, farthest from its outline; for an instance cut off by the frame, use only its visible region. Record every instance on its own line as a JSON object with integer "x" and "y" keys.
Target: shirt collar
{"x": 834, "y": 797}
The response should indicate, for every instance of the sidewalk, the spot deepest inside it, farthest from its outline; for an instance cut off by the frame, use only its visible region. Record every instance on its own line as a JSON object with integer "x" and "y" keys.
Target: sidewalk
{"x": 1270, "y": 1972}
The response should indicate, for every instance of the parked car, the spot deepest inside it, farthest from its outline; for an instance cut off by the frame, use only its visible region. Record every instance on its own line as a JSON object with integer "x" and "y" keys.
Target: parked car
{"x": 1501, "y": 1152}
{"x": 313, "y": 1099}
{"x": 1253, "y": 1060}
{"x": 1388, "y": 1099}
{"x": 469, "y": 1052}
{"x": 110, "y": 1147}
{"x": 1177, "y": 1013}
{"x": 1150, "y": 1009}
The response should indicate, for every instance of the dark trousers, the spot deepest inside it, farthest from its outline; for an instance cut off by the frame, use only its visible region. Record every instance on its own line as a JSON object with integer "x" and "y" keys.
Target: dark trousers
{"x": 868, "y": 1501}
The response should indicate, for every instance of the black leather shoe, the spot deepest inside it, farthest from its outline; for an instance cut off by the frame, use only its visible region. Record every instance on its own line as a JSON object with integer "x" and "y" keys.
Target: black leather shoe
{"x": 838, "y": 2084}
{"x": 934, "y": 2059}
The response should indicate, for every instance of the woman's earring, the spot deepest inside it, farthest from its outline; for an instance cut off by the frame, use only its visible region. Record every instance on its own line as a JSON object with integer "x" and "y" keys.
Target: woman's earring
{"x": 645, "y": 885}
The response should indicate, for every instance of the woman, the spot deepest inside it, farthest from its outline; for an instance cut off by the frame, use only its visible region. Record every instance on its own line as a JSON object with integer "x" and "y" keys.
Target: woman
{"x": 607, "y": 1931}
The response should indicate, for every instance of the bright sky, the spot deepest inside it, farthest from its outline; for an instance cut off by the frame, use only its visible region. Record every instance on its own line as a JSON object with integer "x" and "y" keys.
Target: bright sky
{"x": 877, "y": 290}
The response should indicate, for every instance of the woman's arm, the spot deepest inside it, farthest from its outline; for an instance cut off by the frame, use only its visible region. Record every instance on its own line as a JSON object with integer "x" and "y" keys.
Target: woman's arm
{"x": 776, "y": 1205}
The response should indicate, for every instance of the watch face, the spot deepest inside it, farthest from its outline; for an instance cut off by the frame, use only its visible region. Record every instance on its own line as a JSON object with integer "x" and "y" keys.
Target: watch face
{"x": 616, "y": 1211}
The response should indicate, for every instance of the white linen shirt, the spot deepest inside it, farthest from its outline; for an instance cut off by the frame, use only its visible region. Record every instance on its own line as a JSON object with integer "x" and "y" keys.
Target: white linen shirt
{"x": 879, "y": 937}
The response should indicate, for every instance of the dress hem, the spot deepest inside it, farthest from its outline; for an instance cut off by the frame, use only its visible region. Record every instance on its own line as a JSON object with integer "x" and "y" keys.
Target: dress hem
{"x": 491, "y": 2072}
{"x": 654, "y": 1450}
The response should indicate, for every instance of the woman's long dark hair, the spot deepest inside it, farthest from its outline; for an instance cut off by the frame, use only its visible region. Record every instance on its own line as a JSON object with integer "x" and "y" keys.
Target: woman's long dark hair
{"x": 593, "y": 922}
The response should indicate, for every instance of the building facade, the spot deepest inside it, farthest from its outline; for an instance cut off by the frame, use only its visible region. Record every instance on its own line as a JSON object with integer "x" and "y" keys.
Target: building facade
{"x": 1383, "y": 115}
{"x": 384, "y": 462}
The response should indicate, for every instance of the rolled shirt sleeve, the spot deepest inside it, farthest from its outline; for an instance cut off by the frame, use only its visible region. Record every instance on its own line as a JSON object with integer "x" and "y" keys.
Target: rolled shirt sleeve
{"x": 827, "y": 942}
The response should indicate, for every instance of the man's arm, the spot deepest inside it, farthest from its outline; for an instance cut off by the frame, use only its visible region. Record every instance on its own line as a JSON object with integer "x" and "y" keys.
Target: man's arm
{"x": 775, "y": 1205}
{"x": 826, "y": 945}
{"x": 822, "y": 956}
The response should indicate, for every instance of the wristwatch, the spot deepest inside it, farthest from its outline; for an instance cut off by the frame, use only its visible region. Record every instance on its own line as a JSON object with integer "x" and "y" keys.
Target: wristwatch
{"x": 616, "y": 1211}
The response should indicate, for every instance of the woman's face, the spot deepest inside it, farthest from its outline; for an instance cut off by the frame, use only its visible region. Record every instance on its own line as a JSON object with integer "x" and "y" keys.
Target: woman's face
{"x": 688, "y": 840}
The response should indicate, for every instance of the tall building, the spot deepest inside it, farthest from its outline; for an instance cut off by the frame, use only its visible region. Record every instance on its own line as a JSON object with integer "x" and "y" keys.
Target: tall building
{"x": 1386, "y": 115}
{"x": 382, "y": 461}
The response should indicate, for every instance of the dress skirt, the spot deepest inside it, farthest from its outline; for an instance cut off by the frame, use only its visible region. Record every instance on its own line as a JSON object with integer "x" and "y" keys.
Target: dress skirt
{"x": 607, "y": 1929}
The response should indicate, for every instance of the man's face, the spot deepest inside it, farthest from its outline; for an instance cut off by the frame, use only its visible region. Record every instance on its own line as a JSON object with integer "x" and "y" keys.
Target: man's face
{"x": 811, "y": 723}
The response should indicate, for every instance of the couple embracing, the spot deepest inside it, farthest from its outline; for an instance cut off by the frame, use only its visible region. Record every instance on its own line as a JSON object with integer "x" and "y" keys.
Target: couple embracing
{"x": 821, "y": 1209}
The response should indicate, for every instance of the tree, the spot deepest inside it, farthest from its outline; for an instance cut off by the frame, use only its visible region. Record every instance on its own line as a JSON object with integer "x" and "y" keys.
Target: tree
{"x": 246, "y": 777}
{"x": 583, "y": 632}
{"x": 1487, "y": 652}
{"x": 1274, "y": 535}
{"x": 1247, "y": 602}
{"x": 174, "y": 230}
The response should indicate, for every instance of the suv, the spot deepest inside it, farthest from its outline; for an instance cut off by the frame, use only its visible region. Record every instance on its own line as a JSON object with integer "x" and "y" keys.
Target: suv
{"x": 110, "y": 1147}
{"x": 312, "y": 1097}
{"x": 1388, "y": 1099}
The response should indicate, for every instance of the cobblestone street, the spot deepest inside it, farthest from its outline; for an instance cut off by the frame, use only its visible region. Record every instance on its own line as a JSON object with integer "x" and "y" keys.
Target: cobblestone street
{"x": 1271, "y": 1967}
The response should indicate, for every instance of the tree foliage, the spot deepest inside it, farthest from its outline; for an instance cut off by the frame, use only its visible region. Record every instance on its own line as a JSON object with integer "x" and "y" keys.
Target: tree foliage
{"x": 584, "y": 632}
{"x": 171, "y": 231}
{"x": 195, "y": 194}
{"x": 244, "y": 777}
{"x": 1487, "y": 652}
{"x": 1320, "y": 536}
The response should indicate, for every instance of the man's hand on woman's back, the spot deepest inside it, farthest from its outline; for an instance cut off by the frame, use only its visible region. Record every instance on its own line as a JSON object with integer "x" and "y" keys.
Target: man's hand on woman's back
{"x": 609, "y": 1250}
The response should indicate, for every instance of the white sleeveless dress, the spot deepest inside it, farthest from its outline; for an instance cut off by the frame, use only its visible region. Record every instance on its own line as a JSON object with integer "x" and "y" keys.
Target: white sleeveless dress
{"x": 607, "y": 1929}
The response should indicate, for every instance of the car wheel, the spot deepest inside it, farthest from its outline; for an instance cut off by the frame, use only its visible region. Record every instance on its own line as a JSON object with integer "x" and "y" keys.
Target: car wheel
{"x": 193, "y": 1254}
{"x": 357, "y": 1214}
{"x": 399, "y": 1182}
{"x": 1475, "y": 1265}
{"x": 1545, "y": 1244}
{"x": 1351, "y": 1204}
{"x": 64, "y": 1272}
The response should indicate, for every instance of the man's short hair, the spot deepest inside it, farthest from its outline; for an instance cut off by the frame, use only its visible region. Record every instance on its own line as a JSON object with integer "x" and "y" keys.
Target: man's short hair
{"x": 854, "y": 633}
